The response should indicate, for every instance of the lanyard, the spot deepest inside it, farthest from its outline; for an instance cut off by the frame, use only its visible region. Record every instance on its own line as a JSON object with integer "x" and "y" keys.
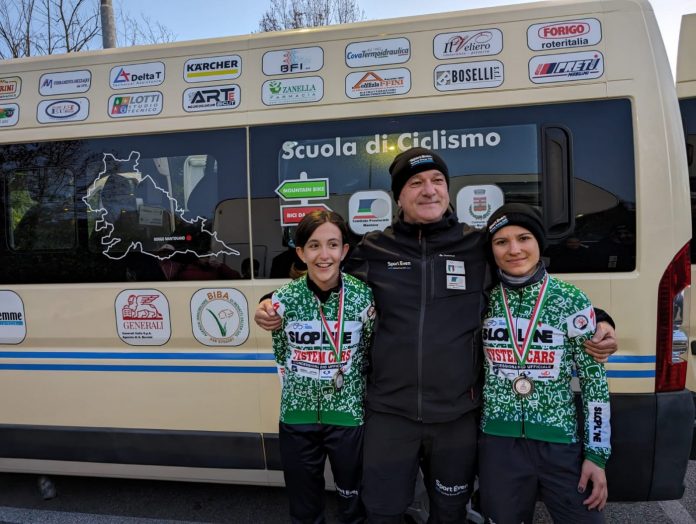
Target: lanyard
{"x": 522, "y": 350}
{"x": 335, "y": 342}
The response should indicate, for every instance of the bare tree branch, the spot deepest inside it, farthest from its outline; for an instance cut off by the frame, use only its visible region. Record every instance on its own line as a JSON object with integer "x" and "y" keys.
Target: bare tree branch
{"x": 294, "y": 14}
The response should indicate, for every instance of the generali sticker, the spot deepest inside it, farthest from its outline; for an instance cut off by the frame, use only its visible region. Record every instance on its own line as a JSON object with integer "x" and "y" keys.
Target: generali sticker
{"x": 10, "y": 87}
{"x": 300, "y": 60}
{"x": 65, "y": 83}
{"x": 220, "y": 317}
{"x": 378, "y": 52}
{"x": 213, "y": 68}
{"x": 292, "y": 90}
{"x": 9, "y": 115}
{"x": 467, "y": 44}
{"x": 380, "y": 82}
{"x": 13, "y": 325}
{"x": 568, "y": 33}
{"x": 142, "y": 317}
{"x": 567, "y": 67}
{"x": 136, "y": 75}
{"x": 64, "y": 110}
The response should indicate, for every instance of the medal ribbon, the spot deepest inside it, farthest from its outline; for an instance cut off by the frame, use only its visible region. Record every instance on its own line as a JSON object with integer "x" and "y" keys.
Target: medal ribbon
{"x": 337, "y": 342}
{"x": 522, "y": 350}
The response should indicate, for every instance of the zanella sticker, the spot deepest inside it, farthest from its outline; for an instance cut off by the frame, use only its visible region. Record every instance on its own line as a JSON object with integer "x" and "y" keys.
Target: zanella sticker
{"x": 142, "y": 317}
{"x": 292, "y": 90}
{"x": 65, "y": 83}
{"x": 135, "y": 104}
{"x": 9, "y": 115}
{"x": 567, "y": 67}
{"x": 211, "y": 98}
{"x": 381, "y": 82}
{"x": 470, "y": 75}
{"x": 13, "y": 326}
{"x": 302, "y": 60}
{"x": 569, "y": 33}
{"x": 72, "y": 110}
{"x": 220, "y": 317}
{"x": 213, "y": 68}
{"x": 10, "y": 87}
{"x": 378, "y": 52}
{"x": 136, "y": 75}
{"x": 475, "y": 204}
{"x": 479, "y": 42}
{"x": 369, "y": 211}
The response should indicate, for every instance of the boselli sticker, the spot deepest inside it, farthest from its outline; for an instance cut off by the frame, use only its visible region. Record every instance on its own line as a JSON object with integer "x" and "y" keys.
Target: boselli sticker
{"x": 135, "y": 104}
{"x": 13, "y": 326}
{"x": 213, "y": 68}
{"x": 301, "y": 60}
{"x": 67, "y": 110}
{"x": 220, "y": 317}
{"x": 292, "y": 90}
{"x": 211, "y": 98}
{"x": 136, "y": 75}
{"x": 466, "y": 44}
{"x": 470, "y": 75}
{"x": 381, "y": 82}
{"x": 142, "y": 317}
{"x": 569, "y": 33}
{"x": 378, "y": 52}
{"x": 9, "y": 115}
{"x": 10, "y": 87}
{"x": 65, "y": 83}
{"x": 566, "y": 67}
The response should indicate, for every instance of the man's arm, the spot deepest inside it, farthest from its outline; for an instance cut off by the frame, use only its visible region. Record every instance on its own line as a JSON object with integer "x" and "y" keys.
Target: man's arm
{"x": 603, "y": 344}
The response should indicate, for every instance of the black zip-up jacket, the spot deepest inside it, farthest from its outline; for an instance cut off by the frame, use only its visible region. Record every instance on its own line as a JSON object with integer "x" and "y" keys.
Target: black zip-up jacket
{"x": 430, "y": 286}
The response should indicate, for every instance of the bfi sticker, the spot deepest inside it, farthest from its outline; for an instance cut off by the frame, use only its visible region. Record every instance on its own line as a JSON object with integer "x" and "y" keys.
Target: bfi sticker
{"x": 66, "y": 110}
{"x": 292, "y": 90}
{"x": 378, "y": 52}
{"x": 213, "y": 98}
{"x": 213, "y": 68}
{"x": 13, "y": 326}
{"x": 142, "y": 317}
{"x": 220, "y": 317}
{"x": 369, "y": 211}
{"x": 381, "y": 82}
{"x": 470, "y": 75}
{"x": 559, "y": 35}
{"x": 135, "y": 104}
{"x": 65, "y": 83}
{"x": 467, "y": 44}
{"x": 136, "y": 75}
{"x": 301, "y": 60}
{"x": 10, "y": 87}
{"x": 566, "y": 67}
{"x": 9, "y": 115}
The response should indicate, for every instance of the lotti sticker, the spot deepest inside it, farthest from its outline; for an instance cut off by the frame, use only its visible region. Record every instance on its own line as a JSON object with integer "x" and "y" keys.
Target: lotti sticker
{"x": 10, "y": 87}
{"x": 301, "y": 60}
{"x": 211, "y": 98}
{"x": 213, "y": 68}
{"x": 142, "y": 317}
{"x": 135, "y": 104}
{"x": 67, "y": 110}
{"x": 136, "y": 75}
{"x": 220, "y": 317}
{"x": 559, "y": 35}
{"x": 381, "y": 82}
{"x": 568, "y": 67}
{"x": 292, "y": 90}
{"x": 475, "y": 204}
{"x": 9, "y": 115}
{"x": 471, "y": 75}
{"x": 466, "y": 44}
{"x": 369, "y": 211}
{"x": 378, "y": 52}
{"x": 65, "y": 83}
{"x": 13, "y": 326}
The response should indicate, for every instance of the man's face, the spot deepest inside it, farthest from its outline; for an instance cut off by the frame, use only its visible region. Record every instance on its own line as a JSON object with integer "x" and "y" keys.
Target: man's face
{"x": 424, "y": 198}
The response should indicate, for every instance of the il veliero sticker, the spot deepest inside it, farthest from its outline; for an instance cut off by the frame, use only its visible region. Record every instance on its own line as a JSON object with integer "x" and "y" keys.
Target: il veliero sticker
{"x": 220, "y": 317}
{"x": 567, "y": 67}
{"x": 466, "y": 44}
{"x": 369, "y": 211}
{"x": 142, "y": 317}
{"x": 559, "y": 35}
{"x": 13, "y": 326}
{"x": 64, "y": 110}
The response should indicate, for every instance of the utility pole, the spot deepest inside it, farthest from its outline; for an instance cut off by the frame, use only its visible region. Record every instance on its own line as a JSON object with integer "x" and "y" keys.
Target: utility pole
{"x": 107, "y": 24}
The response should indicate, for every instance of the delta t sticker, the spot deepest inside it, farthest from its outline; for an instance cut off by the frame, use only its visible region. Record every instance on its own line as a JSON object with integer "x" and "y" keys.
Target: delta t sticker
{"x": 136, "y": 75}
{"x": 567, "y": 67}
{"x": 565, "y": 34}
{"x": 220, "y": 317}
{"x": 369, "y": 211}
{"x": 13, "y": 326}
{"x": 142, "y": 317}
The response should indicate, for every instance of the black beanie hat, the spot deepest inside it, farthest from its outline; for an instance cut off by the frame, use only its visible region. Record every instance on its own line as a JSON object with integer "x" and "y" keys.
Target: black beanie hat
{"x": 411, "y": 162}
{"x": 518, "y": 215}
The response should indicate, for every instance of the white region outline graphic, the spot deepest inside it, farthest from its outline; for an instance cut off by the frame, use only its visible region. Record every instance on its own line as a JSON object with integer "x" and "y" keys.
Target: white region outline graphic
{"x": 109, "y": 242}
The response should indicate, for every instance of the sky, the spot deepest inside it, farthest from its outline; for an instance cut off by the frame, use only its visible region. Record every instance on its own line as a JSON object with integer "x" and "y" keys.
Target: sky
{"x": 214, "y": 18}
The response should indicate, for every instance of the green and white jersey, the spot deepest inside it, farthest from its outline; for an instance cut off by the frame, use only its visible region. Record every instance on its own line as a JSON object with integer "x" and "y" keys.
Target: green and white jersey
{"x": 307, "y": 361}
{"x": 564, "y": 321}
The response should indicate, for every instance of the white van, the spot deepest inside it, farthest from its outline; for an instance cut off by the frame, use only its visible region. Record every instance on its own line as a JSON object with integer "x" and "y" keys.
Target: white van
{"x": 150, "y": 195}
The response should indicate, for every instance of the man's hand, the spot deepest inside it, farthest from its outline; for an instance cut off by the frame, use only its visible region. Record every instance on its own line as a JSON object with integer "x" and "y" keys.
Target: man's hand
{"x": 598, "y": 497}
{"x": 603, "y": 343}
{"x": 266, "y": 317}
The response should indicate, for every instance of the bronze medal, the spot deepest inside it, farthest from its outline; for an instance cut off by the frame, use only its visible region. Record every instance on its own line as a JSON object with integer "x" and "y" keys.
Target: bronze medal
{"x": 523, "y": 386}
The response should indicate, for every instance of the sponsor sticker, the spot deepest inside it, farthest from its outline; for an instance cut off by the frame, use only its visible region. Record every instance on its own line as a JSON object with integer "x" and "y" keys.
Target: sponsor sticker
{"x": 455, "y": 267}
{"x": 369, "y": 211}
{"x": 466, "y": 44}
{"x": 457, "y": 282}
{"x": 378, "y": 52}
{"x": 142, "y": 317}
{"x": 212, "y": 98}
{"x": 380, "y": 82}
{"x": 567, "y": 67}
{"x": 212, "y": 68}
{"x": 599, "y": 424}
{"x": 470, "y": 75}
{"x": 65, "y": 83}
{"x": 136, "y": 75}
{"x": 292, "y": 90}
{"x": 64, "y": 110}
{"x": 9, "y": 115}
{"x": 13, "y": 326}
{"x": 135, "y": 104}
{"x": 287, "y": 61}
{"x": 10, "y": 87}
{"x": 220, "y": 317}
{"x": 565, "y": 34}
{"x": 475, "y": 204}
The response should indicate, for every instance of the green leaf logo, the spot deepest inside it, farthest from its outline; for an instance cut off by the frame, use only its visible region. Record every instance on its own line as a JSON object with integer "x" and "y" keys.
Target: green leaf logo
{"x": 223, "y": 329}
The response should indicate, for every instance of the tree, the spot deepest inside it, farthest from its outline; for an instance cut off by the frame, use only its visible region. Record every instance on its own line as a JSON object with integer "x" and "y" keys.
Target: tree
{"x": 294, "y": 14}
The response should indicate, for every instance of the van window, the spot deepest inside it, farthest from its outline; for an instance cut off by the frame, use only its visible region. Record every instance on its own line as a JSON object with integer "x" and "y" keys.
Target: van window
{"x": 688, "y": 111}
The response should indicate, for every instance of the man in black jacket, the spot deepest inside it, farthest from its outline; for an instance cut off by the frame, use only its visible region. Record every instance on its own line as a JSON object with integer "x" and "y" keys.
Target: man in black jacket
{"x": 430, "y": 279}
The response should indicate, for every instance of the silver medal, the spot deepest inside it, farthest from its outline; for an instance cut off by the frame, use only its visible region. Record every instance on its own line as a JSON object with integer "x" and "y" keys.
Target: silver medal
{"x": 338, "y": 380}
{"x": 522, "y": 386}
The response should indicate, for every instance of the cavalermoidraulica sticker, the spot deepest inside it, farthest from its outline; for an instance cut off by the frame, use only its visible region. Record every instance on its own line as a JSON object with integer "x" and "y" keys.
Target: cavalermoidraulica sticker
{"x": 369, "y": 211}
{"x": 136, "y": 75}
{"x": 213, "y": 68}
{"x": 566, "y": 67}
{"x": 467, "y": 44}
{"x": 565, "y": 34}
{"x": 13, "y": 326}
{"x": 142, "y": 317}
{"x": 65, "y": 82}
{"x": 287, "y": 61}
{"x": 378, "y": 52}
{"x": 220, "y": 317}
{"x": 211, "y": 98}
{"x": 62, "y": 110}
{"x": 469, "y": 75}
{"x": 379, "y": 82}
{"x": 9, "y": 115}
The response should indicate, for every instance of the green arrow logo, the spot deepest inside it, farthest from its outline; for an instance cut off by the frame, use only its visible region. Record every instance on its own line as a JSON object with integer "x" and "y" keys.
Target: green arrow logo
{"x": 303, "y": 189}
